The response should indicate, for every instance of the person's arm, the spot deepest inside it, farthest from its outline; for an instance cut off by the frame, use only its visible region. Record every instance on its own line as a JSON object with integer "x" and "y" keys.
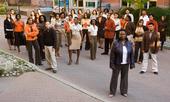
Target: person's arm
{"x": 5, "y": 26}
{"x": 112, "y": 56}
{"x": 132, "y": 62}
{"x": 54, "y": 38}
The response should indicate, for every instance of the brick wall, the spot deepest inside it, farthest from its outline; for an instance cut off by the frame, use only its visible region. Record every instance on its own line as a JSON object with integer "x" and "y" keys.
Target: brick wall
{"x": 163, "y": 3}
{"x": 113, "y": 3}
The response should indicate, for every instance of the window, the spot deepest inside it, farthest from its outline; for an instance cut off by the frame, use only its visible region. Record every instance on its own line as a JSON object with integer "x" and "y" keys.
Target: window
{"x": 80, "y": 3}
{"x": 75, "y": 3}
{"x": 90, "y": 4}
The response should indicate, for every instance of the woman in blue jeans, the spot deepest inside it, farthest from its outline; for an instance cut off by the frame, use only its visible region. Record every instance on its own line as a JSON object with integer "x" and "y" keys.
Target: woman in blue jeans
{"x": 121, "y": 58}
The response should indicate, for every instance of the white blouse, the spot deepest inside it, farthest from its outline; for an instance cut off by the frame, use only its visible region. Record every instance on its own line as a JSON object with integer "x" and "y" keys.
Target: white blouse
{"x": 124, "y": 57}
{"x": 76, "y": 29}
{"x": 93, "y": 30}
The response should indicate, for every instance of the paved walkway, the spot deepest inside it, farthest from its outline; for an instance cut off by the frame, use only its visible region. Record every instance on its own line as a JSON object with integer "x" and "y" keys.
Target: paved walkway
{"x": 94, "y": 76}
{"x": 37, "y": 87}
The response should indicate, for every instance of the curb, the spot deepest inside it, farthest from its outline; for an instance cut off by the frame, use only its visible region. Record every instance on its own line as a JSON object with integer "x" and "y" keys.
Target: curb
{"x": 100, "y": 98}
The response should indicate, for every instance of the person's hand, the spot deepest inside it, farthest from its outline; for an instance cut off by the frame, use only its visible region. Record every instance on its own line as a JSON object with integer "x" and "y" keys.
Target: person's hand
{"x": 113, "y": 67}
{"x": 43, "y": 50}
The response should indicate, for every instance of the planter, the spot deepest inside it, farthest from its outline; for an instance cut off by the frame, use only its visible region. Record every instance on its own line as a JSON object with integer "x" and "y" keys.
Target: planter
{"x": 13, "y": 66}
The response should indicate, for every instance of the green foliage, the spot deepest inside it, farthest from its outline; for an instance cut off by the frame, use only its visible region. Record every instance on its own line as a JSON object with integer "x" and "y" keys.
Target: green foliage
{"x": 139, "y": 4}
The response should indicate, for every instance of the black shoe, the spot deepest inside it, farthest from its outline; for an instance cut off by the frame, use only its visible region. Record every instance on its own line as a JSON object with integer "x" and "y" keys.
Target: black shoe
{"x": 142, "y": 72}
{"x": 104, "y": 53}
{"x": 40, "y": 64}
{"x": 125, "y": 95}
{"x": 54, "y": 71}
{"x": 156, "y": 73}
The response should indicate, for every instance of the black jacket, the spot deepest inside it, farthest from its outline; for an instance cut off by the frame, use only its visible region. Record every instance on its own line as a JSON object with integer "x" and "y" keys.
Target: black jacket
{"x": 49, "y": 37}
{"x": 7, "y": 25}
{"x": 117, "y": 53}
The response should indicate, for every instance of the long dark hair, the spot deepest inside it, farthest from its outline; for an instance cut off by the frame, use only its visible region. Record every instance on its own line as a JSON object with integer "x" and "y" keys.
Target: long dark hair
{"x": 45, "y": 19}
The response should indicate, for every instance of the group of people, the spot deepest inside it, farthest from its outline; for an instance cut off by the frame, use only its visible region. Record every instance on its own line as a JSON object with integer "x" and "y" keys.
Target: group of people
{"x": 128, "y": 43}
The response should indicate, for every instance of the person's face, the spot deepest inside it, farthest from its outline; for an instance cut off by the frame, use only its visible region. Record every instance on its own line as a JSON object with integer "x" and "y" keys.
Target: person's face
{"x": 93, "y": 22}
{"x": 143, "y": 12}
{"x": 75, "y": 20}
{"x": 47, "y": 25}
{"x": 8, "y": 16}
{"x": 116, "y": 15}
{"x": 85, "y": 16}
{"x": 32, "y": 13}
{"x": 42, "y": 18}
{"x": 12, "y": 11}
{"x": 163, "y": 18}
{"x": 108, "y": 16}
{"x": 150, "y": 17}
{"x": 127, "y": 12}
{"x": 70, "y": 18}
{"x": 72, "y": 12}
{"x": 30, "y": 21}
{"x": 141, "y": 23}
{"x": 57, "y": 16}
{"x": 122, "y": 35}
{"x": 94, "y": 12}
{"x": 101, "y": 14}
{"x": 18, "y": 17}
{"x": 151, "y": 27}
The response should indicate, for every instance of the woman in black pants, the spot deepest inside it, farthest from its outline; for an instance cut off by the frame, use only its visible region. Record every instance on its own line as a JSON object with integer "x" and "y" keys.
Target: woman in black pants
{"x": 121, "y": 57}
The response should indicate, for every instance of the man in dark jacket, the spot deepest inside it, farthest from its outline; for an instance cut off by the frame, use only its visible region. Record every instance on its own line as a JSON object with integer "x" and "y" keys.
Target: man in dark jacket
{"x": 150, "y": 45}
{"x": 49, "y": 42}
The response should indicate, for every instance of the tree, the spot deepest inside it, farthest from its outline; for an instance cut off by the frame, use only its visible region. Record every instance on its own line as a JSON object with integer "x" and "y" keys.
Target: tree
{"x": 139, "y": 4}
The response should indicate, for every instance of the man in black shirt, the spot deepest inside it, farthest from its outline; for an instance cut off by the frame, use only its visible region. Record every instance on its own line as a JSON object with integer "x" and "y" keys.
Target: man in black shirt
{"x": 49, "y": 42}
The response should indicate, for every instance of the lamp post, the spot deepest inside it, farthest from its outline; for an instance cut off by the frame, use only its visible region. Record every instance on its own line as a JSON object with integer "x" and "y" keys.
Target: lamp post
{"x": 100, "y": 4}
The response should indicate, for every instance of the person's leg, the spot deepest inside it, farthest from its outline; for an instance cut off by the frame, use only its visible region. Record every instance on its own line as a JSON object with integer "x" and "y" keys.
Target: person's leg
{"x": 162, "y": 44}
{"x": 29, "y": 47}
{"x": 52, "y": 58}
{"x": 106, "y": 48}
{"x": 141, "y": 53}
{"x": 70, "y": 56}
{"x": 47, "y": 56}
{"x": 95, "y": 47}
{"x": 92, "y": 48}
{"x": 124, "y": 79}
{"x": 145, "y": 62}
{"x": 87, "y": 45}
{"x": 136, "y": 51}
{"x": 37, "y": 53}
{"x": 9, "y": 43}
{"x": 78, "y": 54}
{"x": 114, "y": 80}
{"x": 154, "y": 63}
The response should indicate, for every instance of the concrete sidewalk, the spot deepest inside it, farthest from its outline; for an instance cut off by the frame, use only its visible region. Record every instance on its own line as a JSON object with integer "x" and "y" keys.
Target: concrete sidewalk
{"x": 37, "y": 87}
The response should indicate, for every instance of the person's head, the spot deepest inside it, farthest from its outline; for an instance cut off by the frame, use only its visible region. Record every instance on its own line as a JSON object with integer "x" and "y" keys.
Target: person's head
{"x": 30, "y": 21}
{"x": 42, "y": 19}
{"x": 8, "y": 16}
{"x": 73, "y": 12}
{"x": 62, "y": 15}
{"x": 111, "y": 11}
{"x": 106, "y": 10}
{"x": 151, "y": 17}
{"x": 122, "y": 35}
{"x": 88, "y": 11}
{"x": 12, "y": 11}
{"x": 80, "y": 11}
{"x": 116, "y": 15}
{"x": 94, "y": 12}
{"x": 140, "y": 23}
{"x": 38, "y": 11}
{"x": 93, "y": 22}
{"x": 144, "y": 12}
{"x": 151, "y": 26}
{"x": 85, "y": 16}
{"x": 70, "y": 17}
{"x": 47, "y": 24}
{"x": 63, "y": 10}
{"x": 101, "y": 14}
{"x": 163, "y": 18}
{"x": 32, "y": 13}
{"x": 57, "y": 16}
{"x": 128, "y": 18}
{"x": 76, "y": 21}
{"x": 127, "y": 11}
{"x": 108, "y": 16}
{"x": 18, "y": 16}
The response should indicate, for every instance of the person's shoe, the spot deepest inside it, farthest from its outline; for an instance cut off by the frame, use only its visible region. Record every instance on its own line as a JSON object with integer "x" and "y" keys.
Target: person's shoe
{"x": 104, "y": 53}
{"x": 125, "y": 95}
{"x": 111, "y": 95}
{"x": 139, "y": 62}
{"x": 156, "y": 73}
{"x": 77, "y": 62}
{"x": 141, "y": 72}
{"x": 54, "y": 71}
{"x": 48, "y": 68}
{"x": 40, "y": 64}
